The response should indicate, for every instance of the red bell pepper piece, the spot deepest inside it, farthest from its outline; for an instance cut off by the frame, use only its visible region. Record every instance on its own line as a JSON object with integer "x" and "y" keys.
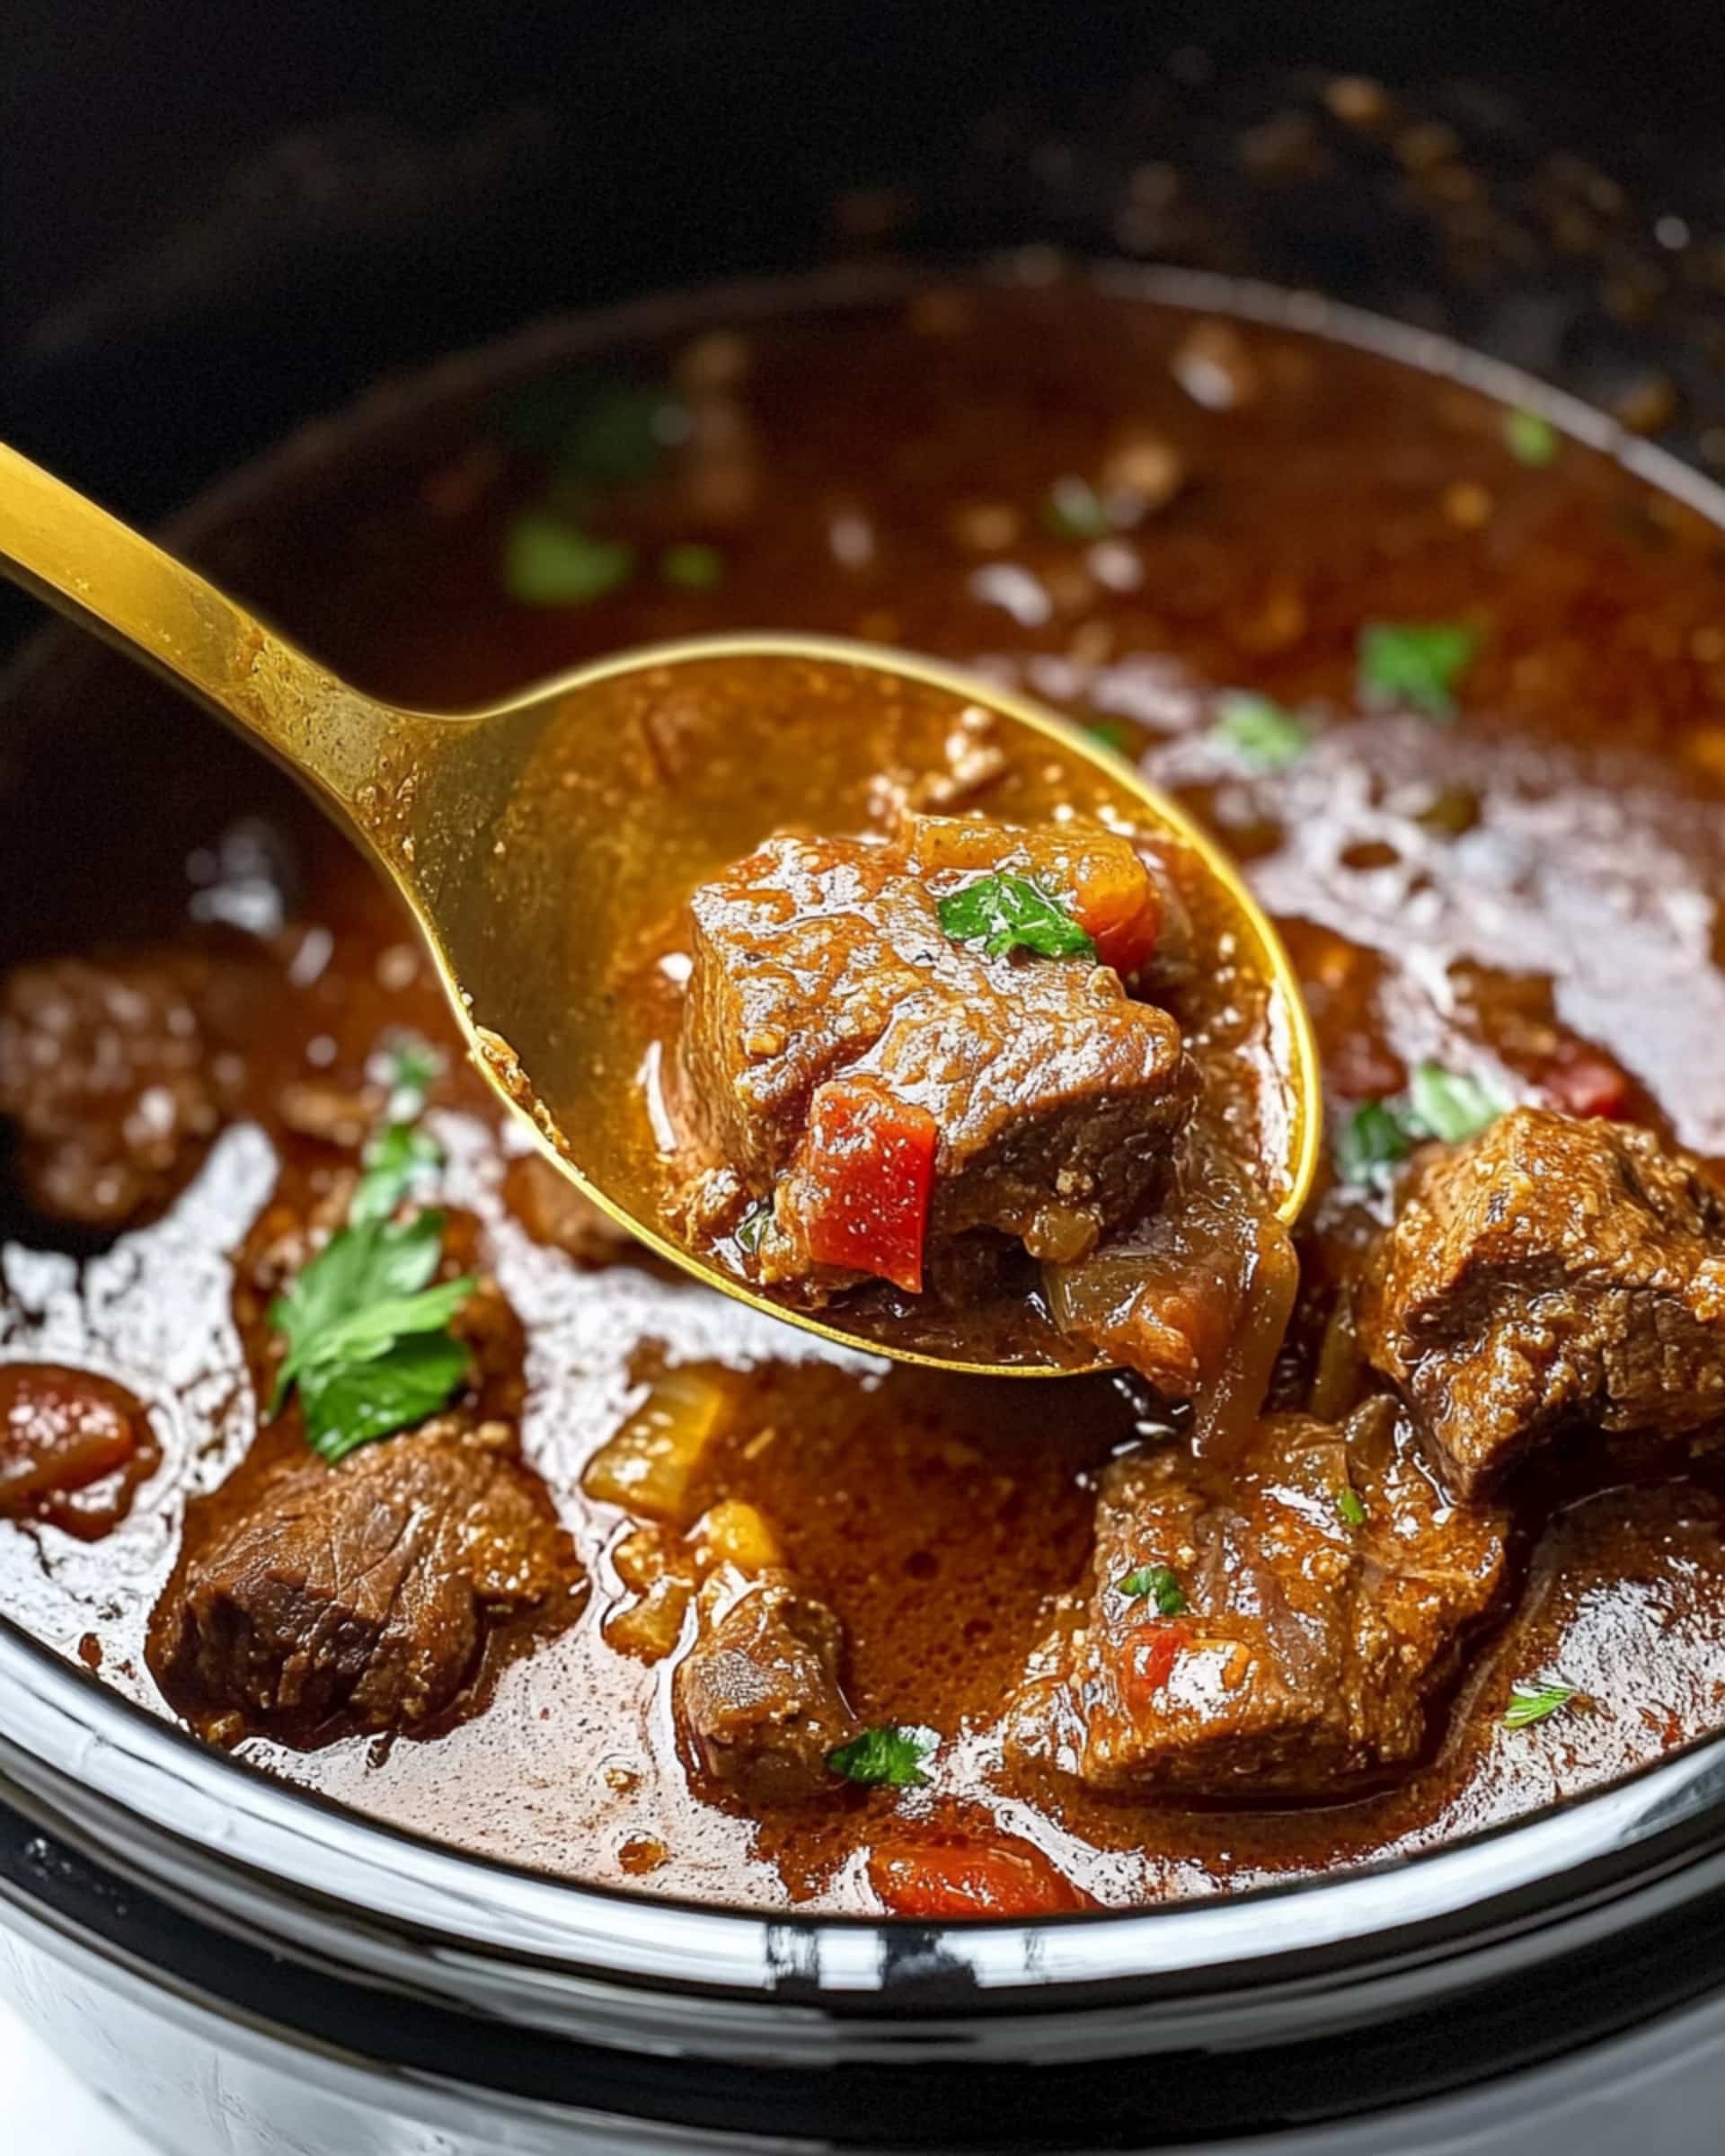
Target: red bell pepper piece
{"x": 867, "y": 1174}
{"x": 1589, "y": 1084}
{"x": 938, "y": 1881}
{"x": 1155, "y": 1649}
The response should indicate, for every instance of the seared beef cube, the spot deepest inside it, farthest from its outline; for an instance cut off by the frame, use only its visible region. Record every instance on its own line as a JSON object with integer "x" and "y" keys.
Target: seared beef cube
{"x": 1045, "y": 1098}
{"x": 360, "y": 1591}
{"x": 1292, "y": 1627}
{"x": 105, "y": 1071}
{"x": 759, "y": 1695}
{"x": 1553, "y": 1275}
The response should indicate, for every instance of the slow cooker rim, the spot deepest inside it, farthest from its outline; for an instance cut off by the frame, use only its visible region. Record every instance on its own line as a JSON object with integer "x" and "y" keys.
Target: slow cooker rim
{"x": 102, "y": 1774}
{"x": 1673, "y": 1797}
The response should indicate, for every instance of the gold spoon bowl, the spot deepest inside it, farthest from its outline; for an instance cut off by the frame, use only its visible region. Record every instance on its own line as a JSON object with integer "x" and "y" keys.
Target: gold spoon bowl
{"x": 547, "y": 845}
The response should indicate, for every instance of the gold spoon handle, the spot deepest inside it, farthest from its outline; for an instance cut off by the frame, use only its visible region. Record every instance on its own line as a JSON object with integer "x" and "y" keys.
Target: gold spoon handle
{"x": 106, "y": 577}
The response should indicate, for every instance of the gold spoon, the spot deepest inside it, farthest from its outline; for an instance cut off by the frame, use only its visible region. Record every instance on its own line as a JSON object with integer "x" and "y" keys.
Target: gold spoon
{"x": 545, "y": 846}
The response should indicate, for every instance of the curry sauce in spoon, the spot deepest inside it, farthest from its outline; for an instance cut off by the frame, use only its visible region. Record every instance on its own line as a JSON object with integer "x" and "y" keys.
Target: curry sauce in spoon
{"x": 548, "y": 846}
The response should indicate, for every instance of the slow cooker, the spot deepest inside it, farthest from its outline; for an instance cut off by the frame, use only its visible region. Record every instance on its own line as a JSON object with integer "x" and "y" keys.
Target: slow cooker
{"x": 221, "y": 227}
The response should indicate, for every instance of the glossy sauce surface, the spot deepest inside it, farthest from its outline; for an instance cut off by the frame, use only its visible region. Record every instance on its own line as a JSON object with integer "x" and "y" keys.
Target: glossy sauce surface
{"x": 1511, "y": 894}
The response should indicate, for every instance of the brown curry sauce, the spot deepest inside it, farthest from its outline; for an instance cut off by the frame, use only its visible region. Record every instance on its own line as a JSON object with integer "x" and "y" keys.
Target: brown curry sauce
{"x": 1528, "y": 892}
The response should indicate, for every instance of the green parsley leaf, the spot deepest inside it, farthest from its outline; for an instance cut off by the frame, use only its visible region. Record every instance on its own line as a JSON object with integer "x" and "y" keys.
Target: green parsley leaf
{"x": 367, "y": 1289}
{"x": 1533, "y": 1703}
{"x": 399, "y": 1157}
{"x": 549, "y": 563}
{"x": 1350, "y": 1505}
{"x": 1258, "y": 728}
{"x": 752, "y": 1227}
{"x": 1443, "y": 1104}
{"x": 412, "y": 1066}
{"x": 351, "y": 1404}
{"x": 1112, "y": 733}
{"x": 691, "y": 565}
{"x": 1450, "y": 1105}
{"x": 1157, "y": 1583}
{"x": 1370, "y": 1145}
{"x": 1531, "y": 439}
{"x": 892, "y": 1755}
{"x": 1074, "y": 510}
{"x": 621, "y": 433}
{"x": 1007, "y": 913}
{"x": 1415, "y": 663}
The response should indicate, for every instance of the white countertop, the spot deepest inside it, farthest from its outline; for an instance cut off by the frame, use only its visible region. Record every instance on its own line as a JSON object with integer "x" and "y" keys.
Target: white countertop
{"x": 45, "y": 2108}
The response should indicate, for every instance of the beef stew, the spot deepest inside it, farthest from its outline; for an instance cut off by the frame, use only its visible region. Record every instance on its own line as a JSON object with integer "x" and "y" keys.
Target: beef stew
{"x": 567, "y": 1562}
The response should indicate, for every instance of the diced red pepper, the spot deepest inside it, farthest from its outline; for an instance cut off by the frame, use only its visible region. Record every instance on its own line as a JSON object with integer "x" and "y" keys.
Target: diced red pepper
{"x": 1152, "y": 1655}
{"x": 938, "y": 1881}
{"x": 867, "y": 1175}
{"x": 1589, "y": 1084}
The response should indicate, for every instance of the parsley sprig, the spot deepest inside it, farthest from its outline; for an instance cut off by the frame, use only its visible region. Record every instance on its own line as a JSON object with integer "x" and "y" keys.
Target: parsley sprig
{"x": 1418, "y": 663}
{"x": 1531, "y": 439}
{"x": 1157, "y": 1583}
{"x": 1260, "y": 731}
{"x": 368, "y": 1341}
{"x": 1006, "y": 912}
{"x": 891, "y": 1756}
{"x": 1532, "y": 1702}
{"x": 1379, "y": 1134}
{"x": 367, "y": 1327}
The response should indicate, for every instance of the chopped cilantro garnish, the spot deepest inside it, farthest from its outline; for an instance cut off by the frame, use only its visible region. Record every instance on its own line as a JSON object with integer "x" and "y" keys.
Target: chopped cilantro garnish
{"x": 1371, "y": 1143}
{"x": 1153, "y": 1582}
{"x": 620, "y": 433}
{"x": 1074, "y": 510}
{"x": 891, "y": 1754}
{"x": 369, "y": 1343}
{"x": 1415, "y": 663}
{"x": 1450, "y": 1105}
{"x": 1533, "y": 1703}
{"x": 691, "y": 565}
{"x": 752, "y": 1227}
{"x": 1531, "y": 439}
{"x": 399, "y": 1157}
{"x": 411, "y": 1066}
{"x": 1443, "y": 1104}
{"x": 1350, "y": 1505}
{"x": 547, "y": 562}
{"x": 1007, "y": 913}
{"x": 1259, "y": 730}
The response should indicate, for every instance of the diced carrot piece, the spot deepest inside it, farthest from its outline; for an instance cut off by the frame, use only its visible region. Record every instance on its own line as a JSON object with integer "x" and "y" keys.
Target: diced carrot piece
{"x": 1589, "y": 1084}
{"x": 938, "y": 1881}
{"x": 868, "y": 1172}
{"x": 1115, "y": 900}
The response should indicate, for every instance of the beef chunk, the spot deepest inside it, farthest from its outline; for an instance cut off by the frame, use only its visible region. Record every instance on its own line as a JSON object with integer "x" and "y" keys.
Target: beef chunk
{"x": 360, "y": 1591}
{"x": 1051, "y": 1097}
{"x": 1311, "y": 1642}
{"x": 1552, "y": 1275}
{"x": 106, "y": 1072}
{"x": 757, "y": 1694}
